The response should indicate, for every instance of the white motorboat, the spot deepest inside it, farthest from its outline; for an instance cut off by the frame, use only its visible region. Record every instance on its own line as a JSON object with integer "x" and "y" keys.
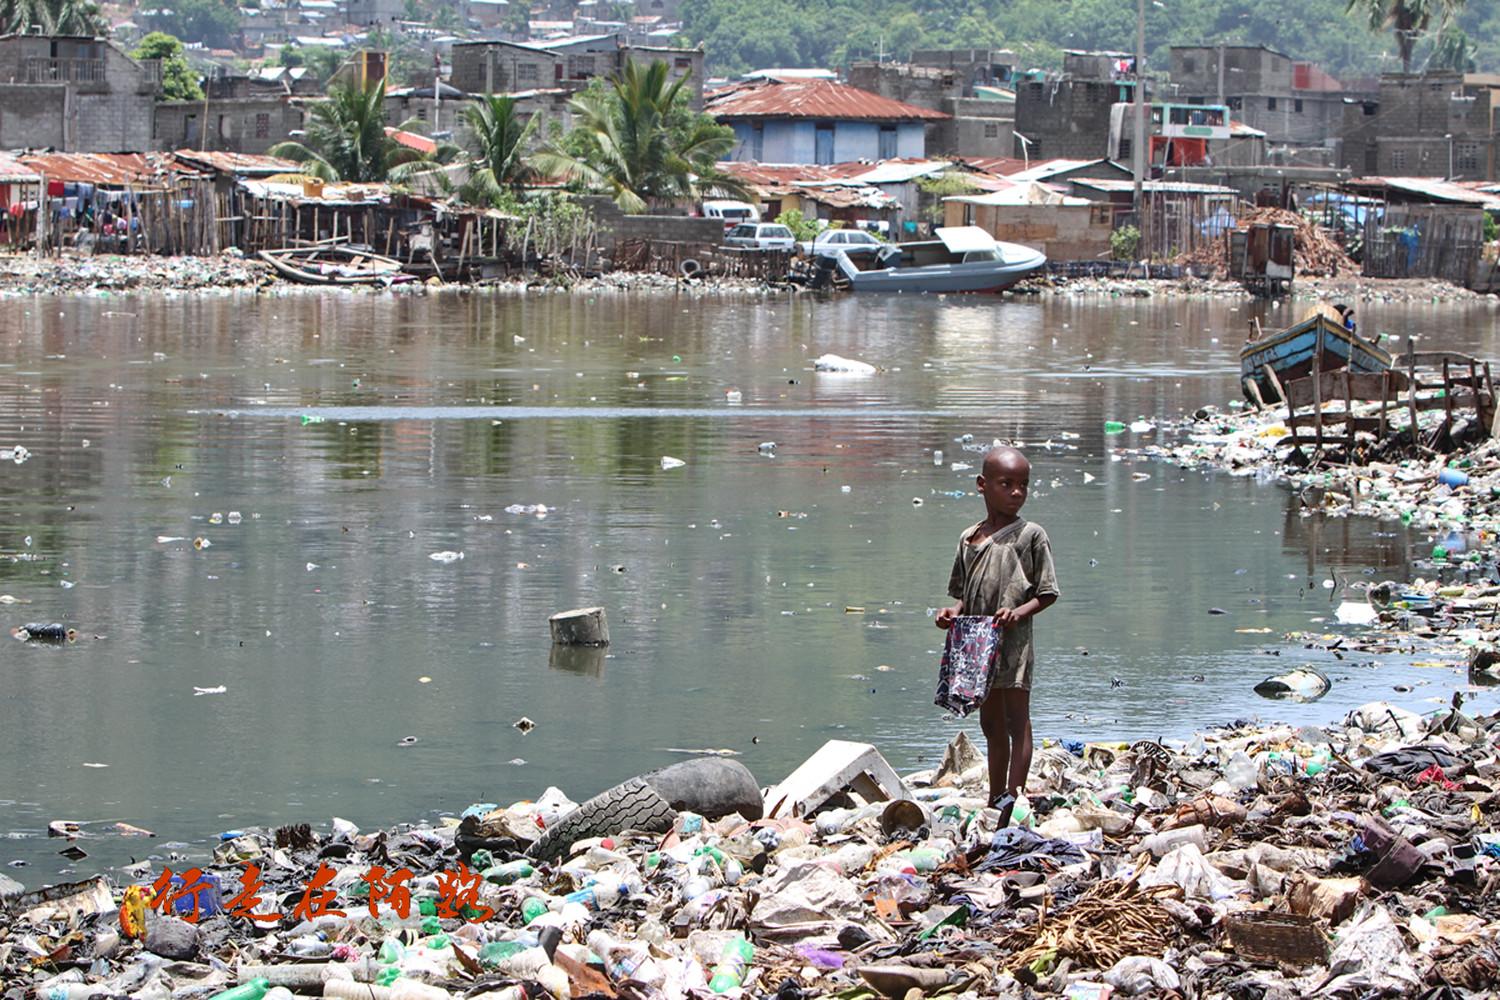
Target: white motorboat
{"x": 961, "y": 259}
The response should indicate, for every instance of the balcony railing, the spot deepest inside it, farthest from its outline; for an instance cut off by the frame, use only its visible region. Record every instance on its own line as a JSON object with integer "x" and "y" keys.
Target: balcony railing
{"x": 43, "y": 70}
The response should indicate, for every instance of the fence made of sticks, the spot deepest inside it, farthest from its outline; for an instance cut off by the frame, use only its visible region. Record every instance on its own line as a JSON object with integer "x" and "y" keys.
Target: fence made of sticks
{"x": 701, "y": 259}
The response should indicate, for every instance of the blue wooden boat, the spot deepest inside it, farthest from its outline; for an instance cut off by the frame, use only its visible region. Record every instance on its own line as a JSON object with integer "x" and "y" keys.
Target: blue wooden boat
{"x": 1291, "y": 353}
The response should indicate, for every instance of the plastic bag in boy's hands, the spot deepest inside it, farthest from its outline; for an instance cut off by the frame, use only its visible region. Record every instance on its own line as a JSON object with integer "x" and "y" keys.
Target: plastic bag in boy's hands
{"x": 968, "y": 665}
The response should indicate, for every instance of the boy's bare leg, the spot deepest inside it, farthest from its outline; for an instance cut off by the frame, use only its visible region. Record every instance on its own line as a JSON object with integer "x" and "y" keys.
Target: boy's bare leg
{"x": 1016, "y": 710}
{"x": 997, "y": 742}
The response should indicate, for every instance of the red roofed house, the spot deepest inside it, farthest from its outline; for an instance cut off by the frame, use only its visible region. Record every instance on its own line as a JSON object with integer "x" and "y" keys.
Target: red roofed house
{"x": 818, "y": 121}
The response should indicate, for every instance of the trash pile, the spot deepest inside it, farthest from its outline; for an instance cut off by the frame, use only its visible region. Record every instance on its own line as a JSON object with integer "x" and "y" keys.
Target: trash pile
{"x": 68, "y": 273}
{"x": 1358, "y": 860}
{"x": 1314, "y": 251}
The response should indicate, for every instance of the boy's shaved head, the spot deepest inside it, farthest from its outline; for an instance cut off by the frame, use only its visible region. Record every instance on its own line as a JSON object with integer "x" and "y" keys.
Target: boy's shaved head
{"x": 1002, "y": 458}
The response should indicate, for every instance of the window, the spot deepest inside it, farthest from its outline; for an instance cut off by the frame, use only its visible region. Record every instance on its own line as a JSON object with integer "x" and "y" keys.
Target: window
{"x": 263, "y": 125}
{"x": 1099, "y": 215}
{"x": 746, "y": 231}
{"x": 583, "y": 66}
{"x": 422, "y": 113}
{"x": 226, "y": 128}
{"x": 526, "y": 72}
{"x": 991, "y": 130}
{"x": 1297, "y": 105}
{"x": 1125, "y": 149}
{"x": 776, "y": 232}
{"x": 1270, "y": 104}
{"x": 887, "y": 148}
{"x": 1369, "y": 108}
{"x": 190, "y": 130}
{"x": 1235, "y": 103}
{"x": 1466, "y": 157}
{"x": 1398, "y": 160}
{"x": 1189, "y": 65}
{"x": 757, "y": 143}
{"x": 683, "y": 63}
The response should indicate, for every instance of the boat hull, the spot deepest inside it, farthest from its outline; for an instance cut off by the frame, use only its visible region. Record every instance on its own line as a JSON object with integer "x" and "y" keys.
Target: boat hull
{"x": 1292, "y": 353}
{"x": 974, "y": 277}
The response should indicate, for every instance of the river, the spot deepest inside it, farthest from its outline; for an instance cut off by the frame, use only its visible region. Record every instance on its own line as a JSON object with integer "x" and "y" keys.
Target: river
{"x": 323, "y": 447}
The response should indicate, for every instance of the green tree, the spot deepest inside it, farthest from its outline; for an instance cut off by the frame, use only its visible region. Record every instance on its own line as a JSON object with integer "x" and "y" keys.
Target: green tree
{"x": 212, "y": 23}
{"x": 1407, "y": 19}
{"x": 345, "y": 140}
{"x": 638, "y": 141}
{"x": 178, "y": 82}
{"x": 497, "y": 141}
{"x": 52, "y": 17}
{"x": 321, "y": 60}
{"x": 1453, "y": 50}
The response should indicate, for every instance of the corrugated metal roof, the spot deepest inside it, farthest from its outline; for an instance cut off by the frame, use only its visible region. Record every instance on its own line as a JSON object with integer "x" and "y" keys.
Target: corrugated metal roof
{"x": 241, "y": 164}
{"x": 1427, "y": 187}
{"x": 411, "y": 140}
{"x": 1114, "y": 185}
{"x": 13, "y": 171}
{"x": 102, "y": 168}
{"x": 826, "y": 99}
{"x": 900, "y": 171}
{"x": 1029, "y": 193}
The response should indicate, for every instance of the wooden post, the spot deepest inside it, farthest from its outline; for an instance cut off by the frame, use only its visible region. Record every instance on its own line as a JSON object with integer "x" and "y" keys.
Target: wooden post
{"x": 580, "y": 627}
{"x": 1411, "y": 389}
{"x": 1385, "y": 395}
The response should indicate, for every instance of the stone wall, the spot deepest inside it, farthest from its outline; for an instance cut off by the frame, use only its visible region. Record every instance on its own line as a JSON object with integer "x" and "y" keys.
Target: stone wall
{"x": 675, "y": 228}
{"x": 1407, "y": 131}
{"x": 246, "y": 125}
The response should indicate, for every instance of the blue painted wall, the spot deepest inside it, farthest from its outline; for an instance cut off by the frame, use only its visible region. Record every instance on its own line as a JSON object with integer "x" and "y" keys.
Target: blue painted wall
{"x": 784, "y": 141}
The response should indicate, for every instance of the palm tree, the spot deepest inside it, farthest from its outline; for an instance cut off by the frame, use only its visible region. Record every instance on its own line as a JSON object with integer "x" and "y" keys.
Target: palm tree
{"x": 1409, "y": 19}
{"x": 497, "y": 143}
{"x": 638, "y": 142}
{"x": 1453, "y": 50}
{"x": 345, "y": 140}
{"x": 53, "y": 17}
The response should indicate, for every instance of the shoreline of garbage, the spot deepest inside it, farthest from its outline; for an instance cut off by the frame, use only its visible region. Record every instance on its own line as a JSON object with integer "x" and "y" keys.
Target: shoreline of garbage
{"x": 1355, "y": 858}
{"x": 1355, "y": 290}
{"x": 76, "y": 273}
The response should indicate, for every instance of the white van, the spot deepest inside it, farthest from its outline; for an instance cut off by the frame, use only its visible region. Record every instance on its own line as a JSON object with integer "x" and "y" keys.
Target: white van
{"x": 731, "y": 213}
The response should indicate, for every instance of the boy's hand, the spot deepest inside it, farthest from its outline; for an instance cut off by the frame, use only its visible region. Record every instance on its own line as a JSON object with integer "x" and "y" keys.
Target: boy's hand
{"x": 1006, "y": 617}
{"x": 945, "y": 618}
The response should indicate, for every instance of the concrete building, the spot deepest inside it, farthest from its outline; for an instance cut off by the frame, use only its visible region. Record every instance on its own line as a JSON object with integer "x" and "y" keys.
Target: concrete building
{"x": 1296, "y": 104}
{"x": 1426, "y": 125}
{"x": 1061, "y": 226}
{"x": 971, "y": 91}
{"x": 498, "y": 67}
{"x": 818, "y": 121}
{"x": 1068, "y": 115}
{"x": 242, "y": 114}
{"x": 74, "y": 94}
{"x": 371, "y": 13}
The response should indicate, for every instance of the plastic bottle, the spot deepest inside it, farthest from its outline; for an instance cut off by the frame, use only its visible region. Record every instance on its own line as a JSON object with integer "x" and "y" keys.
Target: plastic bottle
{"x": 509, "y": 872}
{"x": 734, "y": 962}
{"x": 603, "y": 892}
{"x": 1160, "y": 844}
{"x": 70, "y": 991}
{"x": 255, "y": 989}
{"x": 937, "y": 458}
{"x": 1113, "y": 427}
{"x": 920, "y": 859}
{"x": 625, "y": 959}
{"x": 1439, "y": 553}
{"x": 532, "y": 907}
{"x": 1453, "y": 477}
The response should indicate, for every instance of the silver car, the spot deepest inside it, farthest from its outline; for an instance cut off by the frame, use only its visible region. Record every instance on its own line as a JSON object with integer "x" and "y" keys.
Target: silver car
{"x": 854, "y": 242}
{"x": 760, "y": 236}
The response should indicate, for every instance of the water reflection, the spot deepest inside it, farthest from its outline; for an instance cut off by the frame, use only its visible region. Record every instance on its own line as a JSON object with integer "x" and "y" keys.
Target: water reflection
{"x": 343, "y": 440}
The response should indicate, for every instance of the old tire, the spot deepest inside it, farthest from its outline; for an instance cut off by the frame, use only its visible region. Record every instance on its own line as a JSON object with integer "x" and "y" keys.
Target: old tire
{"x": 712, "y": 787}
{"x": 630, "y": 805}
{"x": 690, "y": 268}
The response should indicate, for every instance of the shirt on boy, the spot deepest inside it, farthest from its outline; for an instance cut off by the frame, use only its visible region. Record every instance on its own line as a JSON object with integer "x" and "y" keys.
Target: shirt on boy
{"x": 1005, "y": 570}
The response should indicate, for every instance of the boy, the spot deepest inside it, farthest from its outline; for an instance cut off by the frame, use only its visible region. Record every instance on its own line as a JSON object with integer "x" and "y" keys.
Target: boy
{"x": 1004, "y": 568}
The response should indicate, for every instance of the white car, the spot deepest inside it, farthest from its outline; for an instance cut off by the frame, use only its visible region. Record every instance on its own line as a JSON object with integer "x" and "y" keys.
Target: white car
{"x": 761, "y": 236}
{"x": 854, "y": 242}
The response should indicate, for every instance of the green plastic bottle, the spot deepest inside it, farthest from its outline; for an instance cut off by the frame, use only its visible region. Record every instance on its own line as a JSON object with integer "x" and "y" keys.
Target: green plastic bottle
{"x": 1439, "y": 553}
{"x": 1113, "y": 427}
{"x": 391, "y": 951}
{"x": 253, "y": 990}
{"x": 532, "y": 908}
{"x": 511, "y": 871}
{"x": 733, "y": 964}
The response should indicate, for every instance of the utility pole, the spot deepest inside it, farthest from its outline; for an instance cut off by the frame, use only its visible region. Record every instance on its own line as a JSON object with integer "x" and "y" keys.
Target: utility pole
{"x": 1221, "y": 73}
{"x": 1138, "y": 147}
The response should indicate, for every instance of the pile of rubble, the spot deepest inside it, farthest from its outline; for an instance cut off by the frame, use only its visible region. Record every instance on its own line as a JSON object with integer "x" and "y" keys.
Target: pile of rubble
{"x": 1314, "y": 254}
{"x": 71, "y": 274}
{"x": 1356, "y": 860}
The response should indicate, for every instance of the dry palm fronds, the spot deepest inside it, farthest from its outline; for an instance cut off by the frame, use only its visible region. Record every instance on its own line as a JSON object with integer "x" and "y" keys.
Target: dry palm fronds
{"x": 1107, "y": 923}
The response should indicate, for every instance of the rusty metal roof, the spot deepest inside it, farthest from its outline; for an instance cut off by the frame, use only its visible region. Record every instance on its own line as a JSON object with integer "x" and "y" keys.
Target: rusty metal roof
{"x": 103, "y": 168}
{"x": 240, "y": 164}
{"x": 412, "y": 140}
{"x": 826, "y": 99}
